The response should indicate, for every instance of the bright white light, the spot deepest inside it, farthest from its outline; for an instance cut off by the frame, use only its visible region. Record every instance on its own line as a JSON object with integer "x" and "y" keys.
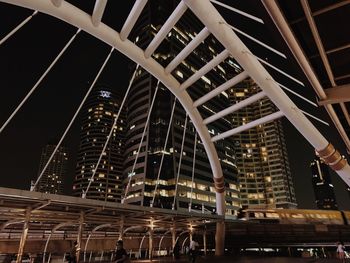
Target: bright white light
{"x": 105, "y": 94}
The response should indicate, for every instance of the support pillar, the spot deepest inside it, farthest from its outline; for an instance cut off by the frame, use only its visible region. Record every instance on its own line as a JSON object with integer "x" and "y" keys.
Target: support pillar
{"x": 121, "y": 235}
{"x": 23, "y": 236}
{"x": 220, "y": 238}
{"x": 150, "y": 245}
{"x": 173, "y": 237}
{"x": 80, "y": 234}
{"x": 205, "y": 242}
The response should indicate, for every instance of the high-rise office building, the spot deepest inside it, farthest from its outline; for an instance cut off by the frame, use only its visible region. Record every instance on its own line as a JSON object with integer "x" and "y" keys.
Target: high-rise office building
{"x": 53, "y": 176}
{"x": 323, "y": 188}
{"x": 201, "y": 192}
{"x": 262, "y": 161}
{"x": 98, "y": 116}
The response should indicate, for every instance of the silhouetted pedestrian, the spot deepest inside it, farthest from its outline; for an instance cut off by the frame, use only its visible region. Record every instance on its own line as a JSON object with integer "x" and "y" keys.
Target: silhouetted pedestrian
{"x": 176, "y": 251}
{"x": 120, "y": 254}
{"x": 193, "y": 250}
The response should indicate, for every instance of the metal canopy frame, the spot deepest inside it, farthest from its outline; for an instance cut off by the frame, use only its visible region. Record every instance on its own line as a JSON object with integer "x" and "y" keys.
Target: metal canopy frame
{"x": 65, "y": 212}
{"x": 215, "y": 24}
{"x": 330, "y": 95}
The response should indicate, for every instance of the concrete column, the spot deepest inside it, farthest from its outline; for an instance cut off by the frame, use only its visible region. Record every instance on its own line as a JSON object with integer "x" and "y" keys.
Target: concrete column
{"x": 150, "y": 245}
{"x": 205, "y": 242}
{"x": 220, "y": 238}
{"x": 24, "y": 235}
{"x": 80, "y": 233}
{"x": 173, "y": 236}
{"x": 121, "y": 235}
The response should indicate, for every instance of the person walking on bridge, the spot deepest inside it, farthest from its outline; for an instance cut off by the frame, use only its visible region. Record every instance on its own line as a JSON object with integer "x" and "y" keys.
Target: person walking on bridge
{"x": 341, "y": 251}
{"x": 193, "y": 250}
{"x": 120, "y": 254}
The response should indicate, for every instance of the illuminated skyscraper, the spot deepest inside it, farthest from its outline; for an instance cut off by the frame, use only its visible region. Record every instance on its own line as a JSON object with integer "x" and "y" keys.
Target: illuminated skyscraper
{"x": 55, "y": 173}
{"x": 143, "y": 180}
{"x": 262, "y": 161}
{"x": 98, "y": 116}
{"x": 323, "y": 188}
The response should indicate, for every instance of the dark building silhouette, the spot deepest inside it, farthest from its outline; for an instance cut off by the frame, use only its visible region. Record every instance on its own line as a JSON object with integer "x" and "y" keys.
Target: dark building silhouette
{"x": 143, "y": 179}
{"x": 98, "y": 116}
{"x": 56, "y": 172}
{"x": 323, "y": 188}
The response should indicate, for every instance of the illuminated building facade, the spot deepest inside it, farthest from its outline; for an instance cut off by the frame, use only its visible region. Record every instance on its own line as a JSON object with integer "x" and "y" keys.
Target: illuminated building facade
{"x": 52, "y": 179}
{"x": 143, "y": 179}
{"x": 262, "y": 161}
{"x": 323, "y": 188}
{"x": 98, "y": 116}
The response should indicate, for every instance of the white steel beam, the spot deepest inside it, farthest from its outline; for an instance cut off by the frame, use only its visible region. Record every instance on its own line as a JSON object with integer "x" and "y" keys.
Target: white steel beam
{"x": 132, "y": 18}
{"x": 337, "y": 49}
{"x": 39, "y": 81}
{"x": 57, "y": 3}
{"x": 235, "y": 107}
{"x": 279, "y": 70}
{"x": 257, "y": 19}
{"x": 235, "y": 80}
{"x": 211, "y": 18}
{"x": 346, "y": 76}
{"x": 295, "y": 48}
{"x": 336, "y": 95}
{"x": 168, "y": 25}
{"x": 99, "y": 9}
{"x": 331, "y": 7}
{"x": 248, "y": 126}
{"x": 322, "y": 52}
{"x": 80, "y": 19}
{"x": 17, "y": 27}
{"x": 297, "y": 94}
{"x": 315, "y": 118}
{"x": 187, "y": 50}
{"x": 258, "y": 42}
{"x": 204, "y": 70}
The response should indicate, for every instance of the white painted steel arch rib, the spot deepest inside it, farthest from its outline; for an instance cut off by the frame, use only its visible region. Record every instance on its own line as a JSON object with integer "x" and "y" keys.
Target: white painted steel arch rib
{"x": 76, "y": 17}
{"x": 216, "y": 24}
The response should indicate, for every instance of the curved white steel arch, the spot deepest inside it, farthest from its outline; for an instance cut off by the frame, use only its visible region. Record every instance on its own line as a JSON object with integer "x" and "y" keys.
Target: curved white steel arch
{"x": 90, "y": 235}
{"x": 216, "y": 24}
{"x": 76, "y": 17}
{"x": 69, "y": 223}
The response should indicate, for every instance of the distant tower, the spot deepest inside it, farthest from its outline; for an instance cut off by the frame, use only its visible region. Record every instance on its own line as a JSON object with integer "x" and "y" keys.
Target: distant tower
{"x": 52, "y": 179}
{"x": 261, "y": 154}
{"x": 323, "y": 188}
{"x": 98, "y": 116}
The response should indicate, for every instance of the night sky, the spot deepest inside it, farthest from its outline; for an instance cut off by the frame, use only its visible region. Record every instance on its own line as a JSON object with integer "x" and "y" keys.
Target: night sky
{"x": 44, "y": 117}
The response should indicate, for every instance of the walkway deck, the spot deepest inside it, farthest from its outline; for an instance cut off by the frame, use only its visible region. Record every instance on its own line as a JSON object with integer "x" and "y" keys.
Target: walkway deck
{"x": 247, "y": 260}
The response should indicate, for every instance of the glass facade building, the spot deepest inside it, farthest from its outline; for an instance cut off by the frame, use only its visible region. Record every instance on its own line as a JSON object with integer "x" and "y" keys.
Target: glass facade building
{"x": 201, "y": 192}
{"x": 262, "y": 160}
{"x": 323, "y": 188}
{"x": 98, "y": 116}
{"x": 52, "y": 179}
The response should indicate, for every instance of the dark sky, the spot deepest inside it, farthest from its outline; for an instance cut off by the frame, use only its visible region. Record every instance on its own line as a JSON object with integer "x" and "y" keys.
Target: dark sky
{"x": 27, "y": 54}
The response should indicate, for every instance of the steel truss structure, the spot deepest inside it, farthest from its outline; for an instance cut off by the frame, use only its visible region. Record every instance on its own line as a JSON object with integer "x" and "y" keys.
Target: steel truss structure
{"x": 214, "y": 24}
{"x": 56, "y": 217}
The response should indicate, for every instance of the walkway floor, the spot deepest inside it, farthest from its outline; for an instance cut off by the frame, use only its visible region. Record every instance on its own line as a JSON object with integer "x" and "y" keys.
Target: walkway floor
{"x": 245, "y": 260}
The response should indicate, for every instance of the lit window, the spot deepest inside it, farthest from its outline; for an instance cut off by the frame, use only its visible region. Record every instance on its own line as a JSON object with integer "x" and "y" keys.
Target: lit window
{"x": 179, "y": 73}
